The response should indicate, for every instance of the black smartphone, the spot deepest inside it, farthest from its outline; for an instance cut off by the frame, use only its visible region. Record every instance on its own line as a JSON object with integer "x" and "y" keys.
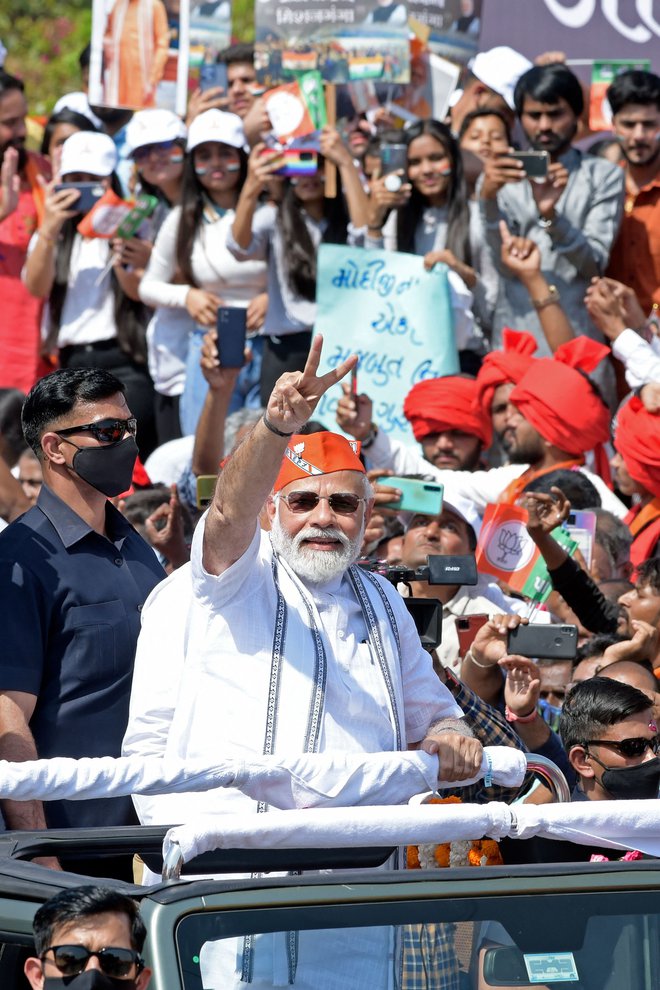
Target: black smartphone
{"x": 535, "y": 163}
{"x": 90, "y": 194}
{"x": 231, "y": 336}
{"x": 393, "y": 158}
{"x": 552, "y": 642}
{"x": 212, "y": 74}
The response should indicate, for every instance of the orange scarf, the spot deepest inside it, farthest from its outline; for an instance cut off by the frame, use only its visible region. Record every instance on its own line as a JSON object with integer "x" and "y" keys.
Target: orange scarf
{"x": 514, "y": 490}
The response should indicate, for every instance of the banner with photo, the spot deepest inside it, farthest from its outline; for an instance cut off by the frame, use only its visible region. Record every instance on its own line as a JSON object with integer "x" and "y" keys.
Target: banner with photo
{"x": 397, "y": 317}
{"x": 449, "y": 27}
{"x": 345, "y": 40}
{"x": 148, "y": 53}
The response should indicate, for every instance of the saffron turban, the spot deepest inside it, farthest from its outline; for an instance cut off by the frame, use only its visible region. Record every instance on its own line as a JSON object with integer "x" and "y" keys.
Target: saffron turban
{"x": 504, "y": 366}
{"x": 637, "y": 439}
{"x": 308, "y": 455}
{"x": 440, "y": 404}
{"x": 558, "y": 400}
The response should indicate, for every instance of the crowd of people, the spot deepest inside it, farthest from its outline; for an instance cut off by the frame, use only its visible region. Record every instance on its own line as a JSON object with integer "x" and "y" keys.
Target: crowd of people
{"x": 152, "y": 611}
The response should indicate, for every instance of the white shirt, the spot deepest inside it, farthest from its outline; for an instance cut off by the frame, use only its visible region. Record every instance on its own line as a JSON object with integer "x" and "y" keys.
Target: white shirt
{"x": 480, "y": 487}
{"x": 640, "y": 358}
{"x": 204, "y": 663}
{"x": 88, "y": 313}
{"x": 215, "y": 270}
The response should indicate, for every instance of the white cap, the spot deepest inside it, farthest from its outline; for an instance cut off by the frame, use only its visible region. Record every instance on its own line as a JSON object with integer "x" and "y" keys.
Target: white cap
{"x": 79, "y": 103}
{"x": 88, "y": 152}
{"x": 500, "y": 69}
{"x": 218, "y": 126}
{"x": 464, "y": 508}
{"x": 153, "y": 127}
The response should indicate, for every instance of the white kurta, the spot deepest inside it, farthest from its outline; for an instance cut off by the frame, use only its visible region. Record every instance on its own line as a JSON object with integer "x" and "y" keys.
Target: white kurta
{"x": 251, "y": 662}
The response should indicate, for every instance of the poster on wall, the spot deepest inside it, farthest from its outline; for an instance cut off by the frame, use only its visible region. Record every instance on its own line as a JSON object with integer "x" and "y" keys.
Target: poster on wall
{"x": 345, "y": 40}
{"x": 147, "y": 53}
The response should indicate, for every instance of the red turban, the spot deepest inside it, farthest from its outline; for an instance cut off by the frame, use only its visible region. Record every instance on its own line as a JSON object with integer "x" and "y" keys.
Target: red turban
{"x": 637, "y": 439}
{"x": 311, "y": 454}
{"x": 560, "y": 403}
{"x": 504, "y": 366}
{"x": 439, "y": 404}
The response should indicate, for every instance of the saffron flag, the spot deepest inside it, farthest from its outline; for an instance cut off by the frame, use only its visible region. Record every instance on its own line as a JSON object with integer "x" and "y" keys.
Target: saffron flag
{"x": 507, "y": 551}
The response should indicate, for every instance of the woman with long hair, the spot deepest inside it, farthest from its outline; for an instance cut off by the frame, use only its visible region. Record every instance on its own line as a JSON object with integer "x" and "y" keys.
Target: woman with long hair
{"x": 92, "y": 321}
{"x": 59, "y": 127}
{"x": 156, "y": 141}
{"x": 190, "y": 267}
{"x": 288, "y": 236}
{"x": 428, "y": 213}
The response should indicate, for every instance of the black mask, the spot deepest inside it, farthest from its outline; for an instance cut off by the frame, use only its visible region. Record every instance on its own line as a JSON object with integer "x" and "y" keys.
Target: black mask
{"x": 91, "y": 979}
{"x": 108, "y": 469}
{"x": 631, "y": 783}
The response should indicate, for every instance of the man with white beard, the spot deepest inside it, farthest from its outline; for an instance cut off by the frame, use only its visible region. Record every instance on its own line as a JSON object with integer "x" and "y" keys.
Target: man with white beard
{"x": 276, "y": 643}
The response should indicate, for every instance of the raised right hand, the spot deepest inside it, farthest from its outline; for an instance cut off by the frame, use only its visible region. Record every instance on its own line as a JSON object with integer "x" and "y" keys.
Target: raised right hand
{"x": 498, "y": 171}
{"x": 58, "y": 208}
{"x": 490, "y": 643}
{"x": 297, "y": 393}
{"x": 10, "y": 183}
{"x": 354, "y": 413}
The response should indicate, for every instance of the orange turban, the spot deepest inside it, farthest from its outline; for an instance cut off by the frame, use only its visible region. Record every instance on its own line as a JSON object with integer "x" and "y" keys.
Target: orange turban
{"x": 308, "y": 455}
{"x": 559, "y": 401}
{"x": 637, "y": 439}
{"x": 505, "y": 366}
{"x": 439, "y": 404}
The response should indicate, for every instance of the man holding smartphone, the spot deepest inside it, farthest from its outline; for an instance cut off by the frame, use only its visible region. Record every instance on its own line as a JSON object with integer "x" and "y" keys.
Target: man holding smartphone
{"x": 573, "y": 214}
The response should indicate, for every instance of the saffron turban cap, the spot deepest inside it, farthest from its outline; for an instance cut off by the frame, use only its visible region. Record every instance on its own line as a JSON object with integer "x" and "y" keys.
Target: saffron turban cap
{"x": 637, "y": 439}
{"x": 309, "y": 455}
{"x": 504, "y": 366}
{"x": 440, "y": 404}
{"x": 556, "y": 397}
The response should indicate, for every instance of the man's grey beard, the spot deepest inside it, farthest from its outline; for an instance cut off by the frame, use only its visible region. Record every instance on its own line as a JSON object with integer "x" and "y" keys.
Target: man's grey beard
{"x": 315, "y": 566}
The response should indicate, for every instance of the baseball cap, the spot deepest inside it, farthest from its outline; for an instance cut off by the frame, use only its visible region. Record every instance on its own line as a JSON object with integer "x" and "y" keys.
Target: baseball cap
{"x": 218, "y": 126}
{"x": 153, "y": 127}
{"x": 78, "y": 103}
{"x": 88, "y": 152}
{"x": 500, "y": 69}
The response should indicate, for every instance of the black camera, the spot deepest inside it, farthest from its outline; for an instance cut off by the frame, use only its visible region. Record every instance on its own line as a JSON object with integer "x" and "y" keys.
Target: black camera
{"x": 441, "y": 569}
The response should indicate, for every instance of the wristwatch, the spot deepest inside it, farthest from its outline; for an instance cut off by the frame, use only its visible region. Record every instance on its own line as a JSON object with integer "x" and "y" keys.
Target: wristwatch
{"x": 552, "y": 297}
{"x": 370, "y": 437}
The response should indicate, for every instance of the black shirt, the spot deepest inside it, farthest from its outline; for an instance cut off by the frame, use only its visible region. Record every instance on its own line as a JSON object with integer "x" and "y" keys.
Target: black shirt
{"x": 71, "y": 604}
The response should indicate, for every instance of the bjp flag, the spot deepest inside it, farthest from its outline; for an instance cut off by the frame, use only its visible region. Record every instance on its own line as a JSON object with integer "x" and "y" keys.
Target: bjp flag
{"x": 507, "y": 551}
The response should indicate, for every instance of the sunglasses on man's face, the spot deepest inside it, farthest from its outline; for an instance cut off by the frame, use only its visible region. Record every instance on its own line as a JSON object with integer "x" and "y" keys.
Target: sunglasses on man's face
{"x": 105, "y": 430}
{"x": 115, "y": 961}
{"x": 629, "y": 748}
{"x": 343, "y": 503}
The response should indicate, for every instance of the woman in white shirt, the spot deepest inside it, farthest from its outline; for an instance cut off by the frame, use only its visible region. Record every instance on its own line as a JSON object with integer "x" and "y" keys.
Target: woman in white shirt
{"x": 430, "y": 215}
{"x": 190, "y": 266}
{"x": 92, "y": 321}
{"x": 156, "y": 141}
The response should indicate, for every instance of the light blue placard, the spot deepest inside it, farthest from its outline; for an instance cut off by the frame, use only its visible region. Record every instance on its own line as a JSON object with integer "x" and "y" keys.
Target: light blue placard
{"x": 383, "y": 306}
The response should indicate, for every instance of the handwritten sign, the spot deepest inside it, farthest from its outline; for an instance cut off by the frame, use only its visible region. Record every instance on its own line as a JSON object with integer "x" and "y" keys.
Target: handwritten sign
{"x": 384, "y": 307}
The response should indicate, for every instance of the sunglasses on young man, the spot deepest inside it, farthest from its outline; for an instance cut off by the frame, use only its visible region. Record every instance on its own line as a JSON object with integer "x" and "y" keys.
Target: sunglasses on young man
{"x": 115, "y": 961}
{"x": 343, "y": 503}
{"x": 105, "y": 430}
{"x": 630, "y": 748}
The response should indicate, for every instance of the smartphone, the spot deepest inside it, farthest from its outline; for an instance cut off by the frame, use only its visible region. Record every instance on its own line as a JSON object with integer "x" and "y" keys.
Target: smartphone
{"x": 212, "y": 74}
{"x": 423, "y": 497}
{"x": 535, "y": 163}
{"x": 467, "y": 627}
{"x": 551, "y": 642}
{"x": 231, "y": 336}
{"x": 90, "y": 194}
{"x": 393, "y": 158}
{"x": 296, "y": 161}
{"x": 205, "y": 489}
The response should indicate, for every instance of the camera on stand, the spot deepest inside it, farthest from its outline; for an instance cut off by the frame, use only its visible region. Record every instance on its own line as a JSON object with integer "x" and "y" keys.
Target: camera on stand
{"x": 441, "y": 569}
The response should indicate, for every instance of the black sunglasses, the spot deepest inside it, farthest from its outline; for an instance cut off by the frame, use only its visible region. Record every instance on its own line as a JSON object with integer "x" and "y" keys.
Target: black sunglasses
{"x": 629, "y": 748}
{"x": 105, "y": 431}
{"x": 114, "y": 961}
{"x": 343, "y": 503}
